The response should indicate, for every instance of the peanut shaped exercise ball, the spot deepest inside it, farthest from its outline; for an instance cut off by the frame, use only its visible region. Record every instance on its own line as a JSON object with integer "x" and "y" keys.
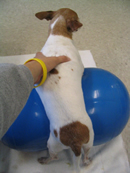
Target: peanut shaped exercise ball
{"x": 107, "y": 103}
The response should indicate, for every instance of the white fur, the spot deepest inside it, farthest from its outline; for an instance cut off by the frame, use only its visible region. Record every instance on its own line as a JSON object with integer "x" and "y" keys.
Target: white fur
{"x": 53, "y": 24}
{"x": 63, "y": 98}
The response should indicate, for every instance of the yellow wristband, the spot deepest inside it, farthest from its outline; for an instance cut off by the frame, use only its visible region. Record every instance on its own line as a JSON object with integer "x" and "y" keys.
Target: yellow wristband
{"x": 43, "y": 68}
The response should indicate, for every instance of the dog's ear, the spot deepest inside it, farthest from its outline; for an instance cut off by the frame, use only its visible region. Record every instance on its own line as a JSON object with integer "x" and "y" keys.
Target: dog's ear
{"x": 48, "y": 15}
{"x": 73, "y": 25}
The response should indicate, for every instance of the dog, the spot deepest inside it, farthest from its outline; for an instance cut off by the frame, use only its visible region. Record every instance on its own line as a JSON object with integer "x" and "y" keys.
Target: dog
{"x": 61, "y": 94}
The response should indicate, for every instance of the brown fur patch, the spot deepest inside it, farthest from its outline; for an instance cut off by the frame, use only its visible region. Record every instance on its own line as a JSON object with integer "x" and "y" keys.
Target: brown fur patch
{"x": 66, "y": 26}
{"x": 54, "y": 71}
{"x": 59, "y": 77}
{"x": 55, "y": 133}
{"x": 74, "y": 135}
{"x": 62, "y": 30}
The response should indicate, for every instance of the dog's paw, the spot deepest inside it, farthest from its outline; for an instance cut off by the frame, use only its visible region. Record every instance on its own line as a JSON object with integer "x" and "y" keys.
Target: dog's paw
{"x": 87, "y": 161}
{"x": 43, "y": 160}
{"x": 46, "y": 160}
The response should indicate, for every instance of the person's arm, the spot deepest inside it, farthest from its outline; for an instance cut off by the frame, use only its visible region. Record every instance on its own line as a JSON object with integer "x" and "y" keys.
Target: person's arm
{"x": 16, "y": 83}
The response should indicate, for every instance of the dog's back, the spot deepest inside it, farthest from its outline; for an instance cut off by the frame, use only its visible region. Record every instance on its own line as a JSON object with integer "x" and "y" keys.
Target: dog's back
{"x": 63, "y": 83}
{"x": 62, "y": 94}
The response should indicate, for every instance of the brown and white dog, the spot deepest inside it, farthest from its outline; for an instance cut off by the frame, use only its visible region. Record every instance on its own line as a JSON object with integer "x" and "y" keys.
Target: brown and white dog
{"x": 61, "y": 94}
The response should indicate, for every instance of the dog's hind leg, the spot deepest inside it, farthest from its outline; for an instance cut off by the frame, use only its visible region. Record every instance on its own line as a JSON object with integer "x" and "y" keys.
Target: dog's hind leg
{"x": 76, "y": 163}
{"x": 86, "y": 159}
{"x": 54, "y": 147}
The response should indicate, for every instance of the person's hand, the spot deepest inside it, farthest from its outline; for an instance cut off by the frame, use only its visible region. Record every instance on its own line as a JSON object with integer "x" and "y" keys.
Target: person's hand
{"x": 50, "y": 62}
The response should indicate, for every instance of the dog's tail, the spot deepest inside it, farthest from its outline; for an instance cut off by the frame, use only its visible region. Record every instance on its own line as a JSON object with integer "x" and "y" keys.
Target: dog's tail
{"x": 74, "y": 135}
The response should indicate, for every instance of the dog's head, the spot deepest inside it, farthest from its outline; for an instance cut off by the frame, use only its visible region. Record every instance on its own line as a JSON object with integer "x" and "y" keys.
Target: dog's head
{"x": 62, "y": 20}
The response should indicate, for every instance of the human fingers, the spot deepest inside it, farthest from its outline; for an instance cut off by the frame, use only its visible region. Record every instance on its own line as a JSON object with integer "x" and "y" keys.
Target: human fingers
{"x": 52, "y": 62}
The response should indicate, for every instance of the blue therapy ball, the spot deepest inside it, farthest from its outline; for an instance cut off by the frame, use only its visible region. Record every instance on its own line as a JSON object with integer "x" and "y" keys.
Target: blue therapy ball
{"x": 30, "y": 131}
{"x": 107, "y": 103}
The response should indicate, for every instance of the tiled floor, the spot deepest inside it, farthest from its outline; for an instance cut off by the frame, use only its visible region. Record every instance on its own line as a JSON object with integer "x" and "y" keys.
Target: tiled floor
{"x": 105, "y": 31}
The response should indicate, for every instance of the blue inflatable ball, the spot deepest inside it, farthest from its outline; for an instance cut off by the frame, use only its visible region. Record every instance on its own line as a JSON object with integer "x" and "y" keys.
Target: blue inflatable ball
{"x": 107, "y": 103}
{"x": 30, "y": 131}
